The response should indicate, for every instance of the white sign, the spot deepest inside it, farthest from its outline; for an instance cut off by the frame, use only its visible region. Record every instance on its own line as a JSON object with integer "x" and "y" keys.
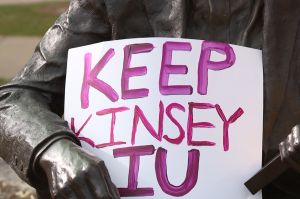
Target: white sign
{"x": 170, "y": 117}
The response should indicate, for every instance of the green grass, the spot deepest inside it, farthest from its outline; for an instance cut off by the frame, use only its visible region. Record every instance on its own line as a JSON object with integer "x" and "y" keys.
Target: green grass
{"x": 29, "y": 19}
{"x": 3, "y": 81}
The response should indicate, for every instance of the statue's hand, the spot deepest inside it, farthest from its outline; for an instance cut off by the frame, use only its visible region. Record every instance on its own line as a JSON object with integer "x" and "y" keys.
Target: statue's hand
{"x": 74, "y": 173}
{"x": 290, "y": 149}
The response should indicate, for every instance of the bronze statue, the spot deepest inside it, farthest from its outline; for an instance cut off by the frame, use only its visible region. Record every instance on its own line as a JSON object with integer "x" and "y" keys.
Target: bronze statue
{"x": 40, "y": 147}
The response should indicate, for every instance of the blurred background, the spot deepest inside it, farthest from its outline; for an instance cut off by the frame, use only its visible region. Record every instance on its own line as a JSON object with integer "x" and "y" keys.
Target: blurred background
{"x": 22, "y": 24}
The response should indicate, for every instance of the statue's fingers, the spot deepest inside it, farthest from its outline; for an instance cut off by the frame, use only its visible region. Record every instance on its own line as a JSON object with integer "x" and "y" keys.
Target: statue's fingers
{"x": 296, "y": 138}
{"x": 97, "y": 183}
{"x": 112, "y": 187}
{"x": 288, "y": 153}
{"x": 43, "y": 193}
{"x": 66, "y": 193}
{"x": 81, "y": 187}
{"x": 283, "y": 150}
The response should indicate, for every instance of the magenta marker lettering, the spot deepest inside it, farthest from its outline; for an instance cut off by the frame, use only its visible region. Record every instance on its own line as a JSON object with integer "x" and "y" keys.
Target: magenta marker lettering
{"x": 167, "y": 69}
{"x": 128, "y": 71}
{"x": 112, "y": 111}
{"x": 226, "y": 123}
{"x": 134, "y": 163}
{"x": 205, "y": 63}
{"x": 191, "y": 173}
{"x": 90, "y": 79}
{"x": 139, "y": 114}
{"x": 77, "y": 133}
{"x": 181, "y": 135}
{"x": 191, "y": 124}
{"x": 87, "y": 140}
{"x": 85, "y": 88}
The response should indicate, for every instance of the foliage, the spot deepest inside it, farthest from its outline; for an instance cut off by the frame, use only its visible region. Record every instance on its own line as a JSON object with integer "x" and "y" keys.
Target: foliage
{"x": 29, "y": 19}
{"x": 3, "y": 81}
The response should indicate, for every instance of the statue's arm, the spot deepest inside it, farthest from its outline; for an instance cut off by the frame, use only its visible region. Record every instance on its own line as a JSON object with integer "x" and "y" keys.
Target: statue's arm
{"x": 31, "y": 104}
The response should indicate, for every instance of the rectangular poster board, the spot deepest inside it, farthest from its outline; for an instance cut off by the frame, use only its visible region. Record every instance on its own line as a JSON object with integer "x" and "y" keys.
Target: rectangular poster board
{"x": 171, "y": 118}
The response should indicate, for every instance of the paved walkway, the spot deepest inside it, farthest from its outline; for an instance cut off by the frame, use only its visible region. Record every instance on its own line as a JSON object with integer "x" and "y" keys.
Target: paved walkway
{"x": 14, "y": 53}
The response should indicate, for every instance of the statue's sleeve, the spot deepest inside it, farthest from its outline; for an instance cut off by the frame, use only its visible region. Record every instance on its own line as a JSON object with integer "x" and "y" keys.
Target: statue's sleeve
{"x": 31, "y": 105}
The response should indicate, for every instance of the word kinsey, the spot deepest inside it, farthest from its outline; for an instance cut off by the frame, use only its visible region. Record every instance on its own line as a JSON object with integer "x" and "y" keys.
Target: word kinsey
{"x": 92, "y": 80}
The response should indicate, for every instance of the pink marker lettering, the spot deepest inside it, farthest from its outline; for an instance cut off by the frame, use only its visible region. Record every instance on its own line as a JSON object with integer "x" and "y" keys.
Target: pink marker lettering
{"x": 90, "y": 79}
{"x": 77, "y": 133}
{"x": 205, "y": 63}
{"x": 191, "y": 124}
{"x": 180, "y": 137}
{"x": 112, "y": 111}
{"x": 138, "y": 114}
{"x": 88, "y": 141}
{"x": 167, "y": 69}
{"x": 82, "y": 127}
{"x": 136, "y": 71}
{"x": 226, "y": 123}
{"x": 191, "y": 173}
{"x": 134, "y": 153}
